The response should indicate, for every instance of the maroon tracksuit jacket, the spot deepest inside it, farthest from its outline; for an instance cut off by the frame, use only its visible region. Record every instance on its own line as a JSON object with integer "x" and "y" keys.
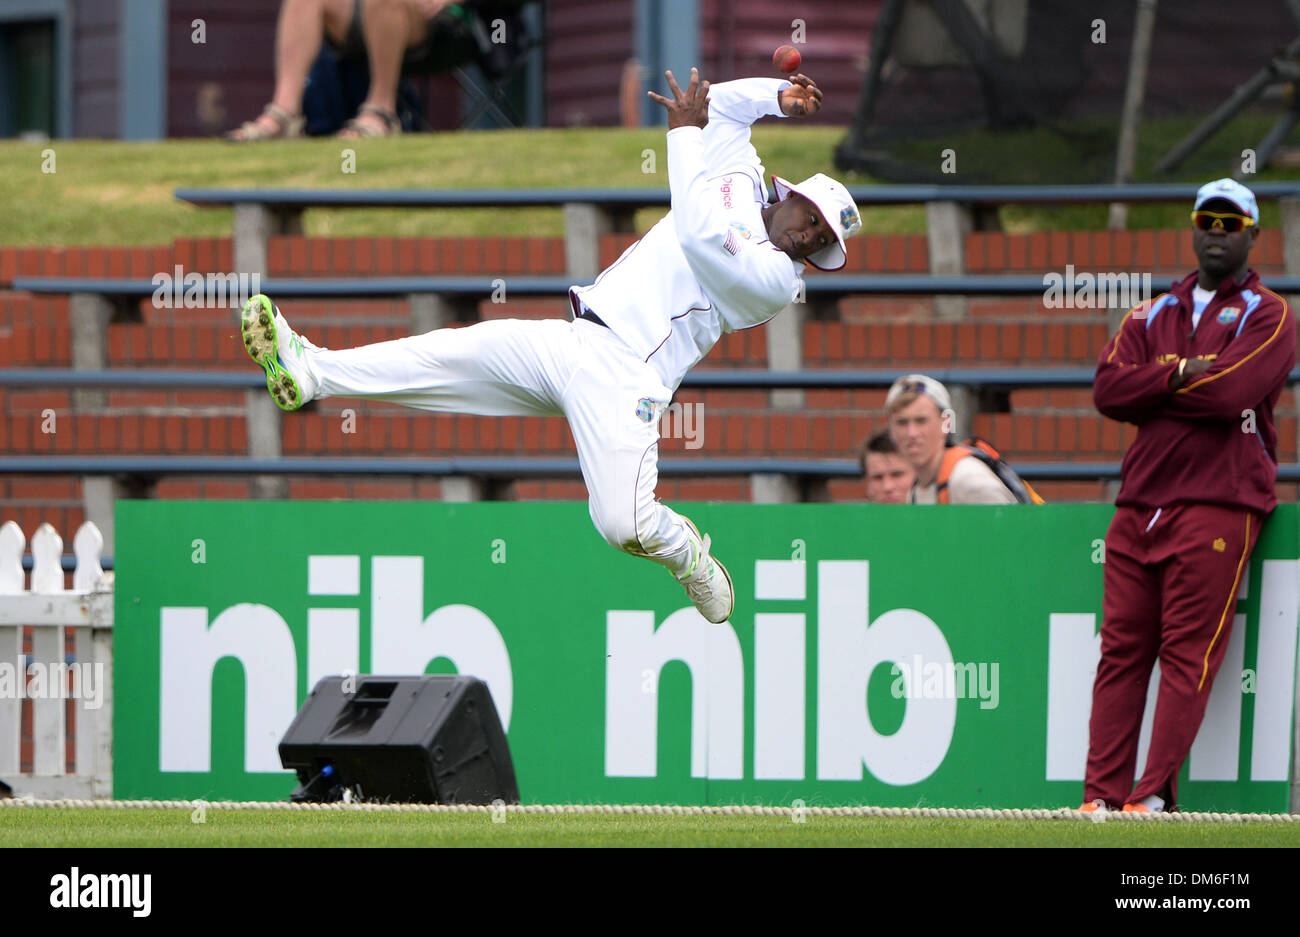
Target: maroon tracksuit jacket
{"x": 1190, "y": 446}
{"x": 1197, "y": 482}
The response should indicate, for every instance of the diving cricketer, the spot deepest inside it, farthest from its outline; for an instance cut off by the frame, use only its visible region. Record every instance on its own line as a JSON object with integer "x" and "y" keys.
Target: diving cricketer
{"x": 722, "y": 259}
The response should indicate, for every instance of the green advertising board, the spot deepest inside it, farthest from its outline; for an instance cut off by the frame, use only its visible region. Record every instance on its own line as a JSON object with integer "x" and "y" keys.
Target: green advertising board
{"x": 885, "y": 655}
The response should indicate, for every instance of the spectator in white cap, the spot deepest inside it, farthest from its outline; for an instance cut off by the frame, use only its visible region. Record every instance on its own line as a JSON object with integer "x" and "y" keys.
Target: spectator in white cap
{"x": 921, "y": 421}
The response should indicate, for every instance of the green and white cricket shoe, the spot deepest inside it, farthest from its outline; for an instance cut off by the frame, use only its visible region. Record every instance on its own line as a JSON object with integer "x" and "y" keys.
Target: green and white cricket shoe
{"x": 279, "y": 351}
{"x": 708, "y": 583}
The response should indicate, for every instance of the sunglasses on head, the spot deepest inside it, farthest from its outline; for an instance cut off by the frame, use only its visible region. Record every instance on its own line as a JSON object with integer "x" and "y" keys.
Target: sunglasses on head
{"x": 1230, "y": 222}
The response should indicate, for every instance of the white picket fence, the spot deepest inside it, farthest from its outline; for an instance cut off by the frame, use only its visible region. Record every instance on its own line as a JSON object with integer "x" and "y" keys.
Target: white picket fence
{"x": 47, "y": 608}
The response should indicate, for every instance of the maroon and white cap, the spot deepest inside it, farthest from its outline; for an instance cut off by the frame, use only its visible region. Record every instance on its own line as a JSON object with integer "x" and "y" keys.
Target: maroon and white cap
{"x": 837, "y": 207}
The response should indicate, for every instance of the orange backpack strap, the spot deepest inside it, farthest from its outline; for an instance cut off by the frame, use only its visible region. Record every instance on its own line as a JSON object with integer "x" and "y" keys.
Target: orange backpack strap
{"x": 951, "y": 456}
{"x": 983, "y": 450}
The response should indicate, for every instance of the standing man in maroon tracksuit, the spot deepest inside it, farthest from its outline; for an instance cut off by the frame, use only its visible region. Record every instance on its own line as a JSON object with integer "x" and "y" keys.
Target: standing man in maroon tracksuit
{"x": 1198, "y": 370}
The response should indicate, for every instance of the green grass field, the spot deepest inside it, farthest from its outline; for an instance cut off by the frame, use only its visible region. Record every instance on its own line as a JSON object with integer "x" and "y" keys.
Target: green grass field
{"x": 108, "y": 827}
{"x": 121, "y": 193}
{"x": 114, "y": 193}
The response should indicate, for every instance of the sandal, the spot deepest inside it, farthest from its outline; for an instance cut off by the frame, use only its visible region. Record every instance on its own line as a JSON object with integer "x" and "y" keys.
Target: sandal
{"x": 288, "y": 126}
{"x": 355, "y": 129}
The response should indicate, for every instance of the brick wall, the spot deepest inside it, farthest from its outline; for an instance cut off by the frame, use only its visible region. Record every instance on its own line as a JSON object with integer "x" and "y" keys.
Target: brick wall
{"x": 1162, "y": 253}
{"x": 866, "y": 332}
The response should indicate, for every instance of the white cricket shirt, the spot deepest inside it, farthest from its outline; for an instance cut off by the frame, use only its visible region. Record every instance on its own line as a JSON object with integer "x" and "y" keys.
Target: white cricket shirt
{"x": 707, "y": 267}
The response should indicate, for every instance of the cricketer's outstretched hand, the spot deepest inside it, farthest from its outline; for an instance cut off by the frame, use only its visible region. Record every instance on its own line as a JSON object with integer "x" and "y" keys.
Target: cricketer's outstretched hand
{"x": 689, "y": 108}
{"x": 802, "y": 99}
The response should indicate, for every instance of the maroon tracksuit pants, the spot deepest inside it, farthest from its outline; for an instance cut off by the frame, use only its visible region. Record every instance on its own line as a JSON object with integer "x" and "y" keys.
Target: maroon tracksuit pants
{"x": 1171, "y": 582}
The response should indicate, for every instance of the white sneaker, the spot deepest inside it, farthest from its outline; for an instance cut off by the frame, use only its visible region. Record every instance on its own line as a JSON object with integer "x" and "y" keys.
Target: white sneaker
{"x": 280, "y": 351}
{"x": 708, "y": 583}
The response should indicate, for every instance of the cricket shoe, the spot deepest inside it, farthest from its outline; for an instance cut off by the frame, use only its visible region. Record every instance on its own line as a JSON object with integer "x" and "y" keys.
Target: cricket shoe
{"x": 708, "y": 583}
{"x": 280, "y": 351}
{"x": 1138, "y": 808}
{"x": 1095, "y": 806}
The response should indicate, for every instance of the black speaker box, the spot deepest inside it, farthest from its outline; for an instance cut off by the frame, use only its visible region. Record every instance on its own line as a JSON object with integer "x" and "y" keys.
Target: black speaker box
{"x": 426, "y": 739}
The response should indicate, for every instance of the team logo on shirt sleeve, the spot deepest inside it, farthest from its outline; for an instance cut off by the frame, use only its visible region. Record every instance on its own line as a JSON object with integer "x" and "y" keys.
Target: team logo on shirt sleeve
{"x": 735, "y": 234}
{"x": 1228, "y": 315}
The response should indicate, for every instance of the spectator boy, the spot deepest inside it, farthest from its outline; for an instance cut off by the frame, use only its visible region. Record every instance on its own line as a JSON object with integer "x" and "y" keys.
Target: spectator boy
{"x": 889, "y": 476}
{"x": 920, "y": 422}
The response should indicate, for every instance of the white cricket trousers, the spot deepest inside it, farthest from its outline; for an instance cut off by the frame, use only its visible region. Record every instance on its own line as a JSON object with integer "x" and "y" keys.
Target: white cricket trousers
{"x": 512, "y": 367}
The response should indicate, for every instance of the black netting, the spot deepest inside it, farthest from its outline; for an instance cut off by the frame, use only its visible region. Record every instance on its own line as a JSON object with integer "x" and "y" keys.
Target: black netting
{"x": 1049, "y": 87}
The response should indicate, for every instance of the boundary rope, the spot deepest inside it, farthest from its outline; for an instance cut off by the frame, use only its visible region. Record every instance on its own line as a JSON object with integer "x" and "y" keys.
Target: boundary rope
{"x": 793, "y": 811}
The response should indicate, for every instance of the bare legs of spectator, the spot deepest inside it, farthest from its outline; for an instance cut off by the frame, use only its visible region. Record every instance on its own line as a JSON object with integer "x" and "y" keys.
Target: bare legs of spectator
{"x": 299, "y": 32}
{"x": 389, "y": 27}
{"x": 298, "y": 36}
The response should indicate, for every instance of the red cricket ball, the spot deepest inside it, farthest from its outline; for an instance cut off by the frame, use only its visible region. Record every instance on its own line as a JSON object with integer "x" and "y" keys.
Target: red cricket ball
{"x": 786, "y": 59}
